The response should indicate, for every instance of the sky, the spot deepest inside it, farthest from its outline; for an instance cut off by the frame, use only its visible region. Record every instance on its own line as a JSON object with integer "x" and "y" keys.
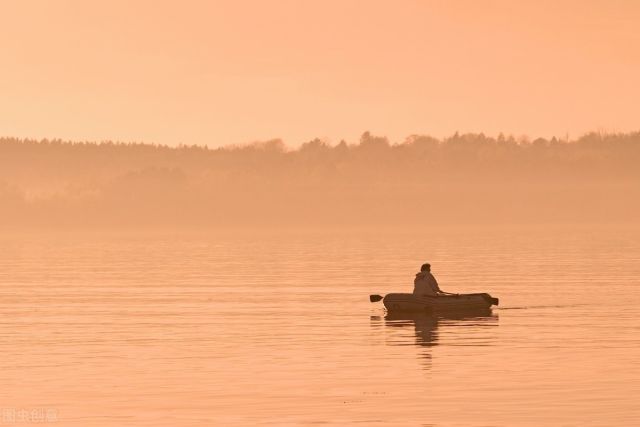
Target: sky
{"x": 234, "y": 72}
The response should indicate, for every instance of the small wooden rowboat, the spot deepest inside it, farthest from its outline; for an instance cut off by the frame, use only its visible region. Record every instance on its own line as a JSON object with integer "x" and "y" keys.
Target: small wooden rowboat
{"x": 444, "y": 302}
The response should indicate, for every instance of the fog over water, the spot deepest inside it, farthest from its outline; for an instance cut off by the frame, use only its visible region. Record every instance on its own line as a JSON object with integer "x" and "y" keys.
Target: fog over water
{"x": 463, "y": 179}
{"x": 155, "y": 286}
{"x": 206, "y": 205}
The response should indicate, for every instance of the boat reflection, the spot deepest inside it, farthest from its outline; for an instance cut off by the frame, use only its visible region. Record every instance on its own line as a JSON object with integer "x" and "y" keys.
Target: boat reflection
{"x": 430, "y": 328}
{"x": 425, "y": 326}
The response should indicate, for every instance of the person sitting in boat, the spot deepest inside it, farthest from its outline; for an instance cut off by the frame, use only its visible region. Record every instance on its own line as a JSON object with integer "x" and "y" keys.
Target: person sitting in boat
{"x": 425, "y": 283}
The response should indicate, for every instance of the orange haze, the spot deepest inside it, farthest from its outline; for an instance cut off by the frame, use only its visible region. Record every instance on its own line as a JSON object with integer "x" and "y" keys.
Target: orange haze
{"x": 463, "y": 179}
{"x": 226, "y": 72}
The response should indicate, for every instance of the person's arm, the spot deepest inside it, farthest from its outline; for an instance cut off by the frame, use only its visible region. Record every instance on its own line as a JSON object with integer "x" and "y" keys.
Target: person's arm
{"x": 435, "y": 285}
{"x": 437, "y": 289}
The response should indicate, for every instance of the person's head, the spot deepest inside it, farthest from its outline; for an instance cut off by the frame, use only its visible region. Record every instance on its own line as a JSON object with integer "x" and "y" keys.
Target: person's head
{"x": 425, "y": 267}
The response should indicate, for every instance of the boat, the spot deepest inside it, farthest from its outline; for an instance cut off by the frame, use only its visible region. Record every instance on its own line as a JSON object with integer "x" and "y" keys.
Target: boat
{"x": 444, "y": 302}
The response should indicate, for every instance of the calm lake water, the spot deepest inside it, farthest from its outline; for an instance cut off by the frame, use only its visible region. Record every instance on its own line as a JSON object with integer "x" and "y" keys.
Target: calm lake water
{"x": 277, "y": 330}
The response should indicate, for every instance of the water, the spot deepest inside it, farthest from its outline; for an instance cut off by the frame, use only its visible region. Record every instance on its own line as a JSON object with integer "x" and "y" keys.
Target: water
{"x": 276, "y": 329}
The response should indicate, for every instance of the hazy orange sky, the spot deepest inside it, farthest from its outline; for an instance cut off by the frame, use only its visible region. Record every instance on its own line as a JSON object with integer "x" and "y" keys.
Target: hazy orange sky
{"x": 224, "y": 72}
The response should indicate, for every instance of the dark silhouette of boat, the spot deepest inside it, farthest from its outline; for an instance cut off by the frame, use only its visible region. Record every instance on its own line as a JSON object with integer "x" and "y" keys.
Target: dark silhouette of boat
{"x": 403, "y": 302}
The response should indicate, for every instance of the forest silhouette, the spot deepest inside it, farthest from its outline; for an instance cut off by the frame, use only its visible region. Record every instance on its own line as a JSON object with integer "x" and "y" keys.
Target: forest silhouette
{"x": 462, "y": 179}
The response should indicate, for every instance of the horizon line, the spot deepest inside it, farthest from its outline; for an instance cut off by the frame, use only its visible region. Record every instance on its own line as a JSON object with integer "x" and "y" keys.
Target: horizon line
{"x": 519, "y": 139}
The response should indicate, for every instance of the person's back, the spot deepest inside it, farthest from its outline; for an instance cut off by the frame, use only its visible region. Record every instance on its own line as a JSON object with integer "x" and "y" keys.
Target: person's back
{"x": 421, "y": 286}
{"x": 425, "y": 283}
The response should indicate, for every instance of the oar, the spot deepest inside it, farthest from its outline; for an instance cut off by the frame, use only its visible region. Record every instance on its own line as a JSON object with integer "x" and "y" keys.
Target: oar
{"x": 375, "y": 298}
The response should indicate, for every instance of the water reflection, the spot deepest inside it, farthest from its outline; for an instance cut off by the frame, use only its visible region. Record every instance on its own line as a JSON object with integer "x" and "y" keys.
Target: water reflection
{"x": 460, "y": 328}
{"x": 425, "y": 327}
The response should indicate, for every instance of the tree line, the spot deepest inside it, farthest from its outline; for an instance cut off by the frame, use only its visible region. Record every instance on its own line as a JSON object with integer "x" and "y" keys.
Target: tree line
{"x": 458, "y": 179}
